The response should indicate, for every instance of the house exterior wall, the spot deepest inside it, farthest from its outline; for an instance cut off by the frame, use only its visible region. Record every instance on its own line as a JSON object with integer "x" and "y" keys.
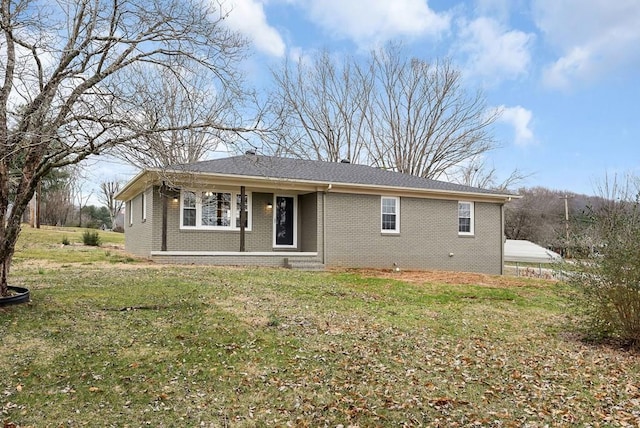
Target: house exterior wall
{"x": 341, "y": 230}
{"x": 428, "y": 237}
{"x": 138, "y": 233}
{"x": 259, "y": 238}
{"x": 308, "y": 221}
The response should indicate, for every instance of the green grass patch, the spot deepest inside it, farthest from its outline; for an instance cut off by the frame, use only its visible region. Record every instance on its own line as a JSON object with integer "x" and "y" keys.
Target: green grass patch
{"x": 52, "y": 235}
{"x": 105, "y": 344}
{"x": 46, "y": 244}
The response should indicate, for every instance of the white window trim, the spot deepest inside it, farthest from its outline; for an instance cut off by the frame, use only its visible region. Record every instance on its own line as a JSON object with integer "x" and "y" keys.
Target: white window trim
{"x": 144, "y": 206}
{"x": 471, "y": 219}
{"x": 234, "y": 210}
{"x": 397, "y": 202}
{"x": 131, "y": 212}
{"x": 295, "y": 221}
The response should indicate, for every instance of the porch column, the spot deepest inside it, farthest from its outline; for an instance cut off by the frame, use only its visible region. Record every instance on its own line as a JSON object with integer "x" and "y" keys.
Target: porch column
{"x": 243, "y": 216}
{"x": 163, "y": 198}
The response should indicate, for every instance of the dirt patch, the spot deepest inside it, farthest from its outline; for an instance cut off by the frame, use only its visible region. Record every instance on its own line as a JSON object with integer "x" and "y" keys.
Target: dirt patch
{"x": 444, "y": 277}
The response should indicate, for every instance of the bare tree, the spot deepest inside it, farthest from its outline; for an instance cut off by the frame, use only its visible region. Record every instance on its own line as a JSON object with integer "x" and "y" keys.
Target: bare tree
{"x": 538, "y": 216}
{"x": 83, "y": 201}
{"x": 78, "y": 194}
{"x": 57, "y": 198}
{"x": 477, "y": 173}
{"x": 108, "y": 192}
{"x": 322, "y": 107}
{"x": 422, "y": 121}
{"x": 180, "y": 95}
{"x": 57, "y": 206}
{"x": 66, "y": 94}
{"x": 390, "y": 111}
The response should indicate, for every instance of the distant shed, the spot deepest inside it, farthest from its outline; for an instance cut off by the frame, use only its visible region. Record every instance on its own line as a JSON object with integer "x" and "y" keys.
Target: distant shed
{"x": 528, "y": 252}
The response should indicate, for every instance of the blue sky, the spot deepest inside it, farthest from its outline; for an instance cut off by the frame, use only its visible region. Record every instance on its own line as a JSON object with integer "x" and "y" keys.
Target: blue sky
{"x": 566, "y": 72}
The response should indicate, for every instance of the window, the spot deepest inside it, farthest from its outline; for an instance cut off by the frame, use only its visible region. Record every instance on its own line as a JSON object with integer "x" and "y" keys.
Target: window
{"x": 144, "y": 206}
{"x": 465, "y": 218}
{"x": 213, "y": 210}
{"x": 188, "y": 209}
{"x": 390, "y": 211}
{"x": 216, "y": 209}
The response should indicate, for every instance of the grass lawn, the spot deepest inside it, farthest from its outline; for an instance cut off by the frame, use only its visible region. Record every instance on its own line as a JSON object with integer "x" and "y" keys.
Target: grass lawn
{"x": 109, "y": 340}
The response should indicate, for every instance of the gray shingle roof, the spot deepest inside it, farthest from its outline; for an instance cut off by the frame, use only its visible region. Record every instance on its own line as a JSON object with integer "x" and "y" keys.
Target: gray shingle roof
{"x": 320, "y": 171}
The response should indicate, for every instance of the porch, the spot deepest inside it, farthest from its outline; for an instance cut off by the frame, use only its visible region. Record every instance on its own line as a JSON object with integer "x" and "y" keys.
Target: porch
{"x": 283, "y": 229}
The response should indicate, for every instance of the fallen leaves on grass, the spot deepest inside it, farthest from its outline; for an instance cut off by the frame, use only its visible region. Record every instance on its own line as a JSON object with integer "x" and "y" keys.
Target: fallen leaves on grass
{"x": 445, "y": 277}
{"x": 268, "y": 348}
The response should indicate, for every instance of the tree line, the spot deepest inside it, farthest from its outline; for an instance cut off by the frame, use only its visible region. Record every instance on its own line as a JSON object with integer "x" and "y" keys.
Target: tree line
{"x": 62, "y": 199}
{"x": 555, "y": 219}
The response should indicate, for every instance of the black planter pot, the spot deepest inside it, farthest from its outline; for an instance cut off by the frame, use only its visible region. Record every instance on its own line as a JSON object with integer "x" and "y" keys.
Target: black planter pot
{"x": 21, "y": 296}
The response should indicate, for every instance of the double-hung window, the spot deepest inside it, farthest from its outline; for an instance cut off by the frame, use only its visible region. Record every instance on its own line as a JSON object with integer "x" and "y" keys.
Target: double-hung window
{"x": 213, "y": 210}
{"x": 390, "y": 214}
{"x": 465, "y": 218}
{"x": 188, "y": 209}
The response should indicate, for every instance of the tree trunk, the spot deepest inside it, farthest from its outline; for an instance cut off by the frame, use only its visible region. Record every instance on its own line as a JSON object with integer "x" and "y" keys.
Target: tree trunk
{"x": 11, "y": 231}
{"x": 38, "y": 204}
{"x": 10, "y": 228}
{"x": 4, "y": 274}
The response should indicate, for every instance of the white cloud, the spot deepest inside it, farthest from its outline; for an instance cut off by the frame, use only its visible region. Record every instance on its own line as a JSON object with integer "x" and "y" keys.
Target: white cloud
{"x": 298, "y": 54}
{"x": 520, "y": 119}
{"x": 370, "y": 22}
{"x": 497, "y": 8}
{"x": 574, "y": 63}
{"x": 594, "y": 37}
{"x": 494, "y": 53}
{"x": 248, "y": 18}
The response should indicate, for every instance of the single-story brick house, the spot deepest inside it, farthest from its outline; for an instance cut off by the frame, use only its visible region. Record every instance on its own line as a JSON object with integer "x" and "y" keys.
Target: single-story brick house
{"x": 311, "y": 213}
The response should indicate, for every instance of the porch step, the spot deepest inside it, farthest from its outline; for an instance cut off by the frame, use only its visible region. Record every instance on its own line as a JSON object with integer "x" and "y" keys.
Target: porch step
{"x": 303, "y": 264}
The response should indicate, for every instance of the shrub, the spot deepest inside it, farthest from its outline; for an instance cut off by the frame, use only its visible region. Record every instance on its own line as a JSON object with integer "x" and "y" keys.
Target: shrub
{"x": 609, "y": 281}
{"x": 91, "y": 238}
{"x": 65, "y": 241}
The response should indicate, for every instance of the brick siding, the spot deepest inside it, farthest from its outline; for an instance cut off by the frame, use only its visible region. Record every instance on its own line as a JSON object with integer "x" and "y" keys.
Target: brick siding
{"x": 428, "y": 237}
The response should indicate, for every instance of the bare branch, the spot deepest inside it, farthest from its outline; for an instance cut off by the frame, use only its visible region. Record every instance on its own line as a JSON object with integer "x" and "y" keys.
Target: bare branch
{"x": 321, "y": 107}
{"x": 108, "y": 192}
{"x": 393, "y": 112}
{"x": 69, "y": 84}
